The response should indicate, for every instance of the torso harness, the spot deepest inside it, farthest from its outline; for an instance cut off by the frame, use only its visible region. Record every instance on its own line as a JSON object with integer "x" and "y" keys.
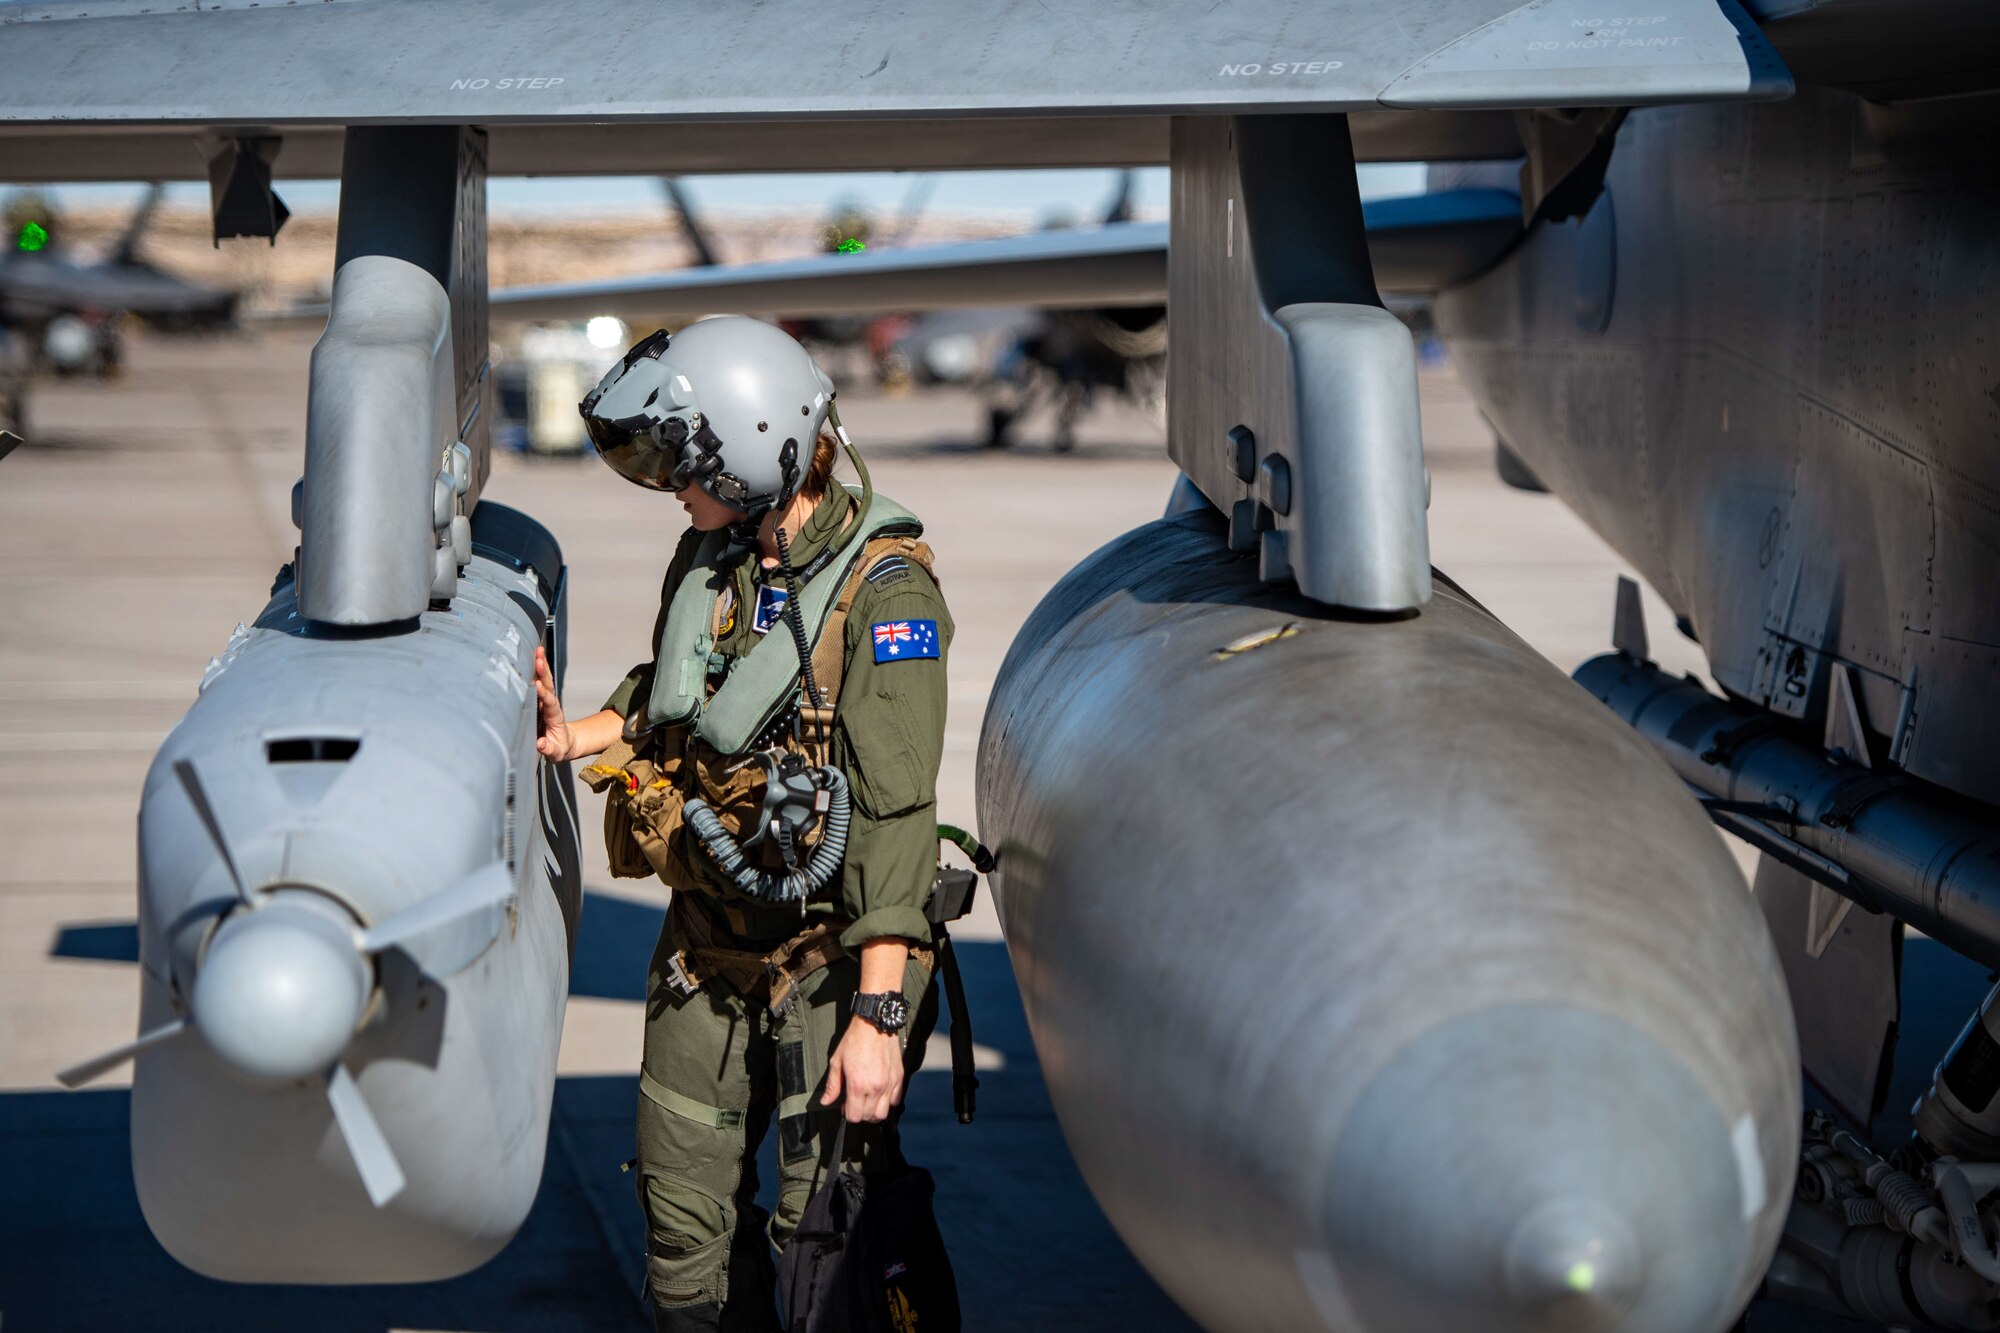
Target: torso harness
{"x": 751, "y": 781}
{"x": 694, "y": 757}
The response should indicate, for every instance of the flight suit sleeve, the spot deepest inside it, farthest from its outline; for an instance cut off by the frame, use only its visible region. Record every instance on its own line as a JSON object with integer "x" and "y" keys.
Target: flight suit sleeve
{"x": 890, "y": 741}
{"x": 638, "y": 681}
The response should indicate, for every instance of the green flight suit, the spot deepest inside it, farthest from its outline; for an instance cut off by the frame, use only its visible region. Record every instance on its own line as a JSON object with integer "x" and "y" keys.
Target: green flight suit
{"x": 719, "y": 1065}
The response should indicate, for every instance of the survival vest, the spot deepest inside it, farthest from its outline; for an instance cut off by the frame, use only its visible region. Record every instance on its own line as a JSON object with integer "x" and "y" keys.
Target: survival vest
{"x": 763, "y": 683}
{"x": 703, "y": 733}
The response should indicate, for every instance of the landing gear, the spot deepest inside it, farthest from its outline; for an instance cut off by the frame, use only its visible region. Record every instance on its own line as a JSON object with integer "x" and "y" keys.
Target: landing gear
{"x": 1072, "y": 400}
{"x": 1011, "y": 401}
{"x": 1000, "y": 424}
{"x": 14, "y": 370}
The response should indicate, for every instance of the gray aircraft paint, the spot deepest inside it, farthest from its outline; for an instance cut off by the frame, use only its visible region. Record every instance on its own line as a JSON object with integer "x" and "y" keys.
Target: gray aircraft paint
{"x": 897, "y": 91}
{"x": 603, "y": 60}
{"x": 1278, "y": 1019}
{"x": 457, "y": 1055}
{"x": 382, "y": 376}
{"x": 1771, "y": 388}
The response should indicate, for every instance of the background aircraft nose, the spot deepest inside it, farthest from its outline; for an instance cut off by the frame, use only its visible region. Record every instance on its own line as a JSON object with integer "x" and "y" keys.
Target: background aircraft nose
{"x": 281, "y": 989}
{"x": 1539, "y": 1168}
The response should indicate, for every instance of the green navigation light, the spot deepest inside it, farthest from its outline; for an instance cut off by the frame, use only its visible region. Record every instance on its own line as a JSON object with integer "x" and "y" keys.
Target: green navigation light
{"x": 33, "y": 237}
{"x": 1582, "y": 1277}
{"x": 853, "y": 245}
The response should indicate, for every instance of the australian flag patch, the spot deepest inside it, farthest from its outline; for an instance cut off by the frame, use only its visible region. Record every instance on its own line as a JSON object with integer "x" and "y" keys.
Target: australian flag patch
{"x": 905, "y": 640}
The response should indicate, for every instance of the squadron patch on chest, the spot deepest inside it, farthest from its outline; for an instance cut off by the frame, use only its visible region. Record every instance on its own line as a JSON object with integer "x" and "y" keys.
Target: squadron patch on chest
{"x": 905, "y": 640}
{"x": 725, "y": 611}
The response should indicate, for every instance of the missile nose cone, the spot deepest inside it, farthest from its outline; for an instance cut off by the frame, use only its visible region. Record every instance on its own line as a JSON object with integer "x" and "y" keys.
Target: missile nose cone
{"x": 280, "y": 991}
{"x": 1538, "y": 1168}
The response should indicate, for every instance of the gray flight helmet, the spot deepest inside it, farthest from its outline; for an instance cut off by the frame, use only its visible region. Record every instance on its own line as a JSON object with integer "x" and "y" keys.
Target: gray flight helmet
{"x": 729, "y": 404}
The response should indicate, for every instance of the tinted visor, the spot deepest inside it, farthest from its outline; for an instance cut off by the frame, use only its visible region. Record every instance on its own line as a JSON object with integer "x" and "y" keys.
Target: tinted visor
{"x": 656, "y": 457}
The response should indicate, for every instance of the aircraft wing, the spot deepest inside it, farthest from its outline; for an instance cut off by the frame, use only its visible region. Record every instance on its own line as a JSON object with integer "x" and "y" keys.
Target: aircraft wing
{"x": 1420, "y": 243}
{"x": 1122, "y": 264}
{"x": 588, "y": 85}
{"x": 46, "y": 286}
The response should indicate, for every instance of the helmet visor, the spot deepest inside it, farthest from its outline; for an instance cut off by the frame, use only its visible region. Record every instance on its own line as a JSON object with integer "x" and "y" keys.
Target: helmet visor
{"x": 636, "y": 451}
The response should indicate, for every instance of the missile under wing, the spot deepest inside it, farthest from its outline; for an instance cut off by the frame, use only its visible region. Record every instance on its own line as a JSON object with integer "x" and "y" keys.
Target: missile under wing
{"x": 359, "y": 898}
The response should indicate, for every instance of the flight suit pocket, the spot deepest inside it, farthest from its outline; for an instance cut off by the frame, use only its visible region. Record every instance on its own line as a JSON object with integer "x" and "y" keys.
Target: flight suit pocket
{"x": 642, "y": 812}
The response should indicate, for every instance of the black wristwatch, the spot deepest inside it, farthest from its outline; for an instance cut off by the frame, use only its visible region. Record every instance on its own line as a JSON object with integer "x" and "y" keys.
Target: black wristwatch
{"x": 888, "y": 1011}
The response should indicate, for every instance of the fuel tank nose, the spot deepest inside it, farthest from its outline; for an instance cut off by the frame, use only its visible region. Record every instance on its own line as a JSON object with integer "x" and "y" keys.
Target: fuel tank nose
{"x": 1576, "y": 1260}
{"x": 1537, "y": 1168}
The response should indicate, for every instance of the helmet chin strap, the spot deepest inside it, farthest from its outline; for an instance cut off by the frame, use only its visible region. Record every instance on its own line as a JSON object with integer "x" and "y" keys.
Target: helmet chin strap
{"x": 744, "y": 531}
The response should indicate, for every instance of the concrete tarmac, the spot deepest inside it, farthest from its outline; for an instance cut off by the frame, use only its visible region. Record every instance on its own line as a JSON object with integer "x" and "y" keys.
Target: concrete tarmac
{"x": 147, "y": 516}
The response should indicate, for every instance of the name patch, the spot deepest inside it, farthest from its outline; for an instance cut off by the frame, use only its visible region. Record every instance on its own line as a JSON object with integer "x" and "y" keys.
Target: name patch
{"x": 905, "y": 640}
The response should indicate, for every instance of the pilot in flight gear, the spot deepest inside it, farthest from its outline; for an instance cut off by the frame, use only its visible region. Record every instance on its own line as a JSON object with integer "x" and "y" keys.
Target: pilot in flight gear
{"x": 775, "y": 763}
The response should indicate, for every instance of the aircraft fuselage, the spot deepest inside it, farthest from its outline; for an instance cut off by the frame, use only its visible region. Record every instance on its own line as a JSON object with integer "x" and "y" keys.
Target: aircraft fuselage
{"x": 1764, "y": 368}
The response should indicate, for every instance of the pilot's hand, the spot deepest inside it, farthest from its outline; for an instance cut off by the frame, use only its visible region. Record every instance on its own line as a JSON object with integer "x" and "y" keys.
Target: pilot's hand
{"x": 553, "y": 739}
{"x": 867, "y": 1070}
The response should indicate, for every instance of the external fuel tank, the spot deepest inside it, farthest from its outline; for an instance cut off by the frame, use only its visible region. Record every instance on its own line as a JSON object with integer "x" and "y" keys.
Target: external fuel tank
{"x": 1383, "y": 981}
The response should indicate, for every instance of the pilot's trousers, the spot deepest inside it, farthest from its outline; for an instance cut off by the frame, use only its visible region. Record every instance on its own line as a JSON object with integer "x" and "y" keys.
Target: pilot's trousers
{"x": 718, "y": 1068}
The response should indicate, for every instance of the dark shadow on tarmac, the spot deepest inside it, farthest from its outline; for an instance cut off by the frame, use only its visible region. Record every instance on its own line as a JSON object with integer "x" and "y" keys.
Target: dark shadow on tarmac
{"x": 1031, "y": 1249}
{"x": 614, "y": 946}
{"x": 102, "y": 941}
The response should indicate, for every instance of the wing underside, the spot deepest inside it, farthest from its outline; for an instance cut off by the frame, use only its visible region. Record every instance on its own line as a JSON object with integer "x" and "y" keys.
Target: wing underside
{"x": 610, "y": 86}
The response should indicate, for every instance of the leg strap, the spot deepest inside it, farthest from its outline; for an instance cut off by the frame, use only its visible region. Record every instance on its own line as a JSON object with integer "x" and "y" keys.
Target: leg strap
{"x": 715, "y": 1117}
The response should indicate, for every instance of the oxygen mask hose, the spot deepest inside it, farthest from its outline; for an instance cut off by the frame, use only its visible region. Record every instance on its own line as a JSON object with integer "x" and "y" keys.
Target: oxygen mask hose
{"x": 778, "y": 886}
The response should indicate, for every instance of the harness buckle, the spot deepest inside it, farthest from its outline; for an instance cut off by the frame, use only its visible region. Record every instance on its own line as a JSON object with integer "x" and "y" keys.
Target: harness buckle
{"x": 677, "y": 977}
{"x": 779, "y": 984}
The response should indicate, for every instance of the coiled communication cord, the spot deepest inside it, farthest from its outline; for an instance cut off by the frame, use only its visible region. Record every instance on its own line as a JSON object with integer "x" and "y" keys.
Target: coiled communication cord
{"x": 795, "y": 617}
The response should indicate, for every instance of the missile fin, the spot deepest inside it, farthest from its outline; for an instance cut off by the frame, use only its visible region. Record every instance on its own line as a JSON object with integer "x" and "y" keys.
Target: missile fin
{"x": 1628, "y": 623}
{"x": 380, "y": 1173}
{"x": 93, "y": 1069}
{"x": 1844, "y": 733}
{"x": 198, "y": 796}
{"x": 1825, "y": 911}
{"x": 487, "y": 887}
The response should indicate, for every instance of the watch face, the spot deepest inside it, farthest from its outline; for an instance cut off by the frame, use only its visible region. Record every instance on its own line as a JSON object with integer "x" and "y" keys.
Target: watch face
{"x": 895, "y": 1012}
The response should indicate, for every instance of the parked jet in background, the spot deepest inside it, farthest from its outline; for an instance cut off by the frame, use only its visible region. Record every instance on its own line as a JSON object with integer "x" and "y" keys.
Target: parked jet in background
{"x": 62, "y": 316}
{"x": 1097, "y": 319}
